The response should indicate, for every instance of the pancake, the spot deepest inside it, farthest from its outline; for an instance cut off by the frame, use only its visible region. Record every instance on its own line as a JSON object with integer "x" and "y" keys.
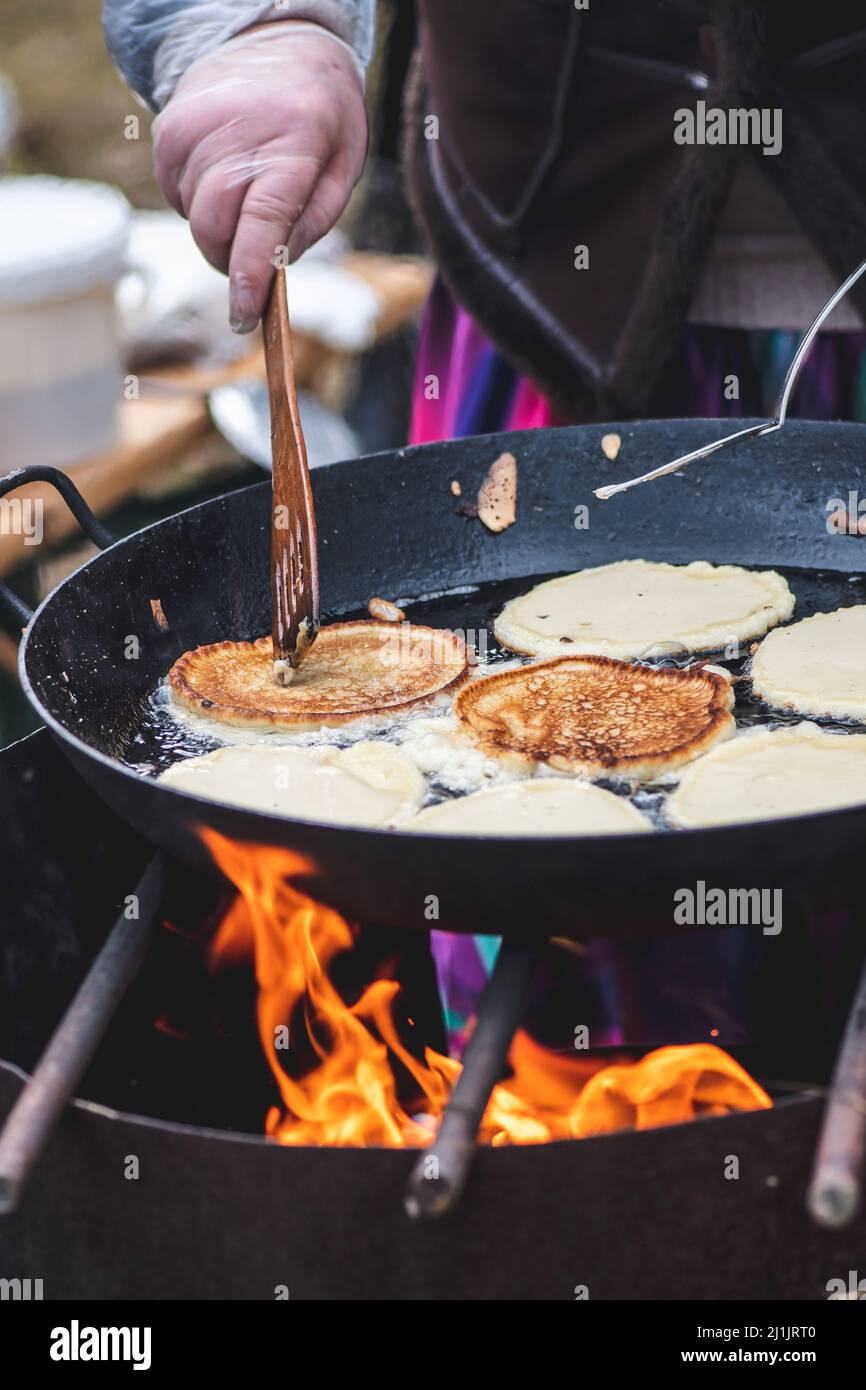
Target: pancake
{"x": 546, "y": 806}
{"x": 597, "y": 717}
{"x": 624, "y": 609}
{"x": 817, "y": 666}
{"x": 352, "y": 671}
{"x": 769, "y": 773}
{"x": 368, "y": 784}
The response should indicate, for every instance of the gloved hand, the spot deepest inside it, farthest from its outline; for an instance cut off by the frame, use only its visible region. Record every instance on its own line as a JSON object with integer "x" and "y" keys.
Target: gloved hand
{"x": 260, "y": 147}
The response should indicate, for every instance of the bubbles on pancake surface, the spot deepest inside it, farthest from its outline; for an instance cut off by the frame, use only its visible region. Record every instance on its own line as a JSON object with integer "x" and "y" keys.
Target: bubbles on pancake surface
{"x": 673, "y": 655}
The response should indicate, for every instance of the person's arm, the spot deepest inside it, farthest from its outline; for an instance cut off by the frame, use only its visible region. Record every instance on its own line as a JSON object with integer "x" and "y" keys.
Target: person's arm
{"x": 153, "y": 42}
{"x": 262, "y": 130}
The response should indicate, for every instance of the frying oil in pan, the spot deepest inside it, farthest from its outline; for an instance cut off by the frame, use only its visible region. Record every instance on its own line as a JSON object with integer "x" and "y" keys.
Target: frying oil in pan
{"x": 165, "y": 737}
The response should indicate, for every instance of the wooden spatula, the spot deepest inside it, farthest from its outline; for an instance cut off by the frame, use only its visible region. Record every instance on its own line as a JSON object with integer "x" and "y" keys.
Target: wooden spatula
{"x": 294, "y": 544}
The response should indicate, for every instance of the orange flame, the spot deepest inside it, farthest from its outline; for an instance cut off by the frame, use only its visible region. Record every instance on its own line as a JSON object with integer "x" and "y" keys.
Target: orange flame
{"x": 350, "y": 1097}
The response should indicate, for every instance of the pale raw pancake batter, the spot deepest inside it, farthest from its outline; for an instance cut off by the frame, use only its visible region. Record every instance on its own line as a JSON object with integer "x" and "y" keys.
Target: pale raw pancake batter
{"x": 817, "y": 666}
{"x": 369, "y": 784}
{"x": 547, "y": 806}
{"x": 769, "y": 773}
{"x": 624, "y": 609}
{"x": 444, "y": 750}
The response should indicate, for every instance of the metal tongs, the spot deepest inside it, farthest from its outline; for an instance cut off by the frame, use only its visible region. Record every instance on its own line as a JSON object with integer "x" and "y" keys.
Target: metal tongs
{"x": 753, "y": 431}
{"x": 294, "y": 544}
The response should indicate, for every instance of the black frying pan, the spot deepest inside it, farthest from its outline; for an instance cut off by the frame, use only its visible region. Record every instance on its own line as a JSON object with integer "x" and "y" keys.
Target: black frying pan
{"x": 389, "y": 525}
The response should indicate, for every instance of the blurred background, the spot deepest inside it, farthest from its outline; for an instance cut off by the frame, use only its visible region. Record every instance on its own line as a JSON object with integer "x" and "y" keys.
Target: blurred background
{"x": 157, "y": 405}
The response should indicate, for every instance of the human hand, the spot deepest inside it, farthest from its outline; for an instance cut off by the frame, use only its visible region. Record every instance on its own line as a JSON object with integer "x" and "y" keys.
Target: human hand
{"x": 260, "y": 147}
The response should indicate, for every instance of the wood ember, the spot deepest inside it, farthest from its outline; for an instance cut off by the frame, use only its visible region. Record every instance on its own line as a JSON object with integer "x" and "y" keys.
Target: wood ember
{"x": 610, "y": 445}
{"x": 385, "y": 610}
{"x": 497, "y": 495}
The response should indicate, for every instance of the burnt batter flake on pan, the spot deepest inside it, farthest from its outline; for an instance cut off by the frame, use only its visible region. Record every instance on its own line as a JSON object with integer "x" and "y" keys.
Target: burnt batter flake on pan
{"x": 497, "y": 495}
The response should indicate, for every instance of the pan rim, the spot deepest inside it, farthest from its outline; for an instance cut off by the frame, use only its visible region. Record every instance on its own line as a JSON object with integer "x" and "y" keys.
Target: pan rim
{"x": 184, "y": 1129}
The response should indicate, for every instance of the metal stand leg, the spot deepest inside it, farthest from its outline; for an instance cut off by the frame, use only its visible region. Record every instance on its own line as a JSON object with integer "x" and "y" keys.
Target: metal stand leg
{"x": 62, "y": 1065}
{"x": 837, "y": 1178}
{"x": 440, "y": 1174}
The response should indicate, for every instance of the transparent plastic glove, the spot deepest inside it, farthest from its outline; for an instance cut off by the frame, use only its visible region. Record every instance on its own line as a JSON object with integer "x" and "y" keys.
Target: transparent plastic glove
{"x": 260, "y": 148}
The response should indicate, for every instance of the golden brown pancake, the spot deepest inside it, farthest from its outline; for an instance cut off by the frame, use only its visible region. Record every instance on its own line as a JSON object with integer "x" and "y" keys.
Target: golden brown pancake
{"x": 597, "y": 716}
{"x": 352, "y": 671}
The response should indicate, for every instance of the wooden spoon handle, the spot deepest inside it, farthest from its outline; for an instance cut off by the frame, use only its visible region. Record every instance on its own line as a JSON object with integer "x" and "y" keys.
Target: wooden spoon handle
{"x": 294, "y": 543}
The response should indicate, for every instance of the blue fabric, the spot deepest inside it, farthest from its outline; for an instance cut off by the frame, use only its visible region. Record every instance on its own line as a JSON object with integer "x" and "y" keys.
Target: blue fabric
{"x": 136, "y": 30}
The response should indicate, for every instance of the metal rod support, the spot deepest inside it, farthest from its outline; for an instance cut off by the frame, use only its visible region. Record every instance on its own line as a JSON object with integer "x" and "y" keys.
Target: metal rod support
{"x": 835, "y": 1191}
{"x": 751, "y": 431}
{"x": 68, "y": 1054}
{"x": 440, "y": 1174}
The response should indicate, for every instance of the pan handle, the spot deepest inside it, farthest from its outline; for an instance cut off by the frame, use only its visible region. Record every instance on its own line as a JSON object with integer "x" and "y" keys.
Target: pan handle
{"x": 14, "y": 607}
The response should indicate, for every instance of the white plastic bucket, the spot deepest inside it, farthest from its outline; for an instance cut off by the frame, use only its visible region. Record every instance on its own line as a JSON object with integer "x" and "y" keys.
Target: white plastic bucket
{"x": 62, "y": 246}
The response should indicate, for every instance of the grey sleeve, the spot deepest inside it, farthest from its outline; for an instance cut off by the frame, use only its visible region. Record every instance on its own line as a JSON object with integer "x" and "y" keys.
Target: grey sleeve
{"x": 153, "y": 42}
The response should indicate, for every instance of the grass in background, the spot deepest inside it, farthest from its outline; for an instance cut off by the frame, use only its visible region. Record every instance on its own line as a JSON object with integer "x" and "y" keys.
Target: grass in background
{"x": 73, "y": 103}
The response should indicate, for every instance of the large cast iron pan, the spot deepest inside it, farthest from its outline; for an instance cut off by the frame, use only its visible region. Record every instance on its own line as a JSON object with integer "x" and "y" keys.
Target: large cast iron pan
{"x": 389, "y": 525}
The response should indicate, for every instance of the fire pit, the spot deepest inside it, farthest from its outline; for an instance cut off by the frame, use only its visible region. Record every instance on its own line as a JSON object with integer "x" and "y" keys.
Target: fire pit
{"x": 159, "y": 1183}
